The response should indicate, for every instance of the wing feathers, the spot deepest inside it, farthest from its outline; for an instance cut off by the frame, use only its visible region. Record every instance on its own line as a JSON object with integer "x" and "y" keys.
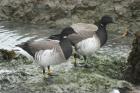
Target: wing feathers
{"x": 83, "y": 31}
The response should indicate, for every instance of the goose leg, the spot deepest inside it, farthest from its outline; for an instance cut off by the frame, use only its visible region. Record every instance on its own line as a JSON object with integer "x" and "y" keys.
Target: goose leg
{"x": 49, "y": 71}
{"x": 75, "y": 63}
{"x": 83, "y": 64}
{"x": 86, "y": 65}
{"x": 75, "y": 57}
{"x": 85, "y": 58}
{"x": 43, "y": 69}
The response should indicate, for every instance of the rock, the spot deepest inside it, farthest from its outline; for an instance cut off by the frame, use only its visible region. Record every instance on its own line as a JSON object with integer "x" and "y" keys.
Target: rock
{"x": 122, "y": 84}
{"x": 137, "y": 34}
{"x": 62, "y": 13}
{"x": 125, "y": 87}
{"x": 7, "y": 55}
{"x": 120, "y": 10}
{"x": 22, "y": 77}
{"x": 132, "y": 73}
{"x": 117, "y": 0}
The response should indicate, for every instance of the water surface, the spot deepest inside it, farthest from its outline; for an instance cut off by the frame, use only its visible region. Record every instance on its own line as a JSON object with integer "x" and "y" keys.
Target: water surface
{"x": 15, "y": 33}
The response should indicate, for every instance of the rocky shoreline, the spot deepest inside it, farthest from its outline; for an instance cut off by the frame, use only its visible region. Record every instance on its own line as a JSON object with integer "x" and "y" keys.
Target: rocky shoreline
{"x": 60, "y": 13}
{"x": 22, "y": 76}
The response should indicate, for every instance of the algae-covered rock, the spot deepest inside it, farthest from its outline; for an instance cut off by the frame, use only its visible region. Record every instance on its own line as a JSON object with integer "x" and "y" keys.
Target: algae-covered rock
{"x": 103, "y": 75}
{"x": 7, "y": 55}
{"x": 132, "y": 73}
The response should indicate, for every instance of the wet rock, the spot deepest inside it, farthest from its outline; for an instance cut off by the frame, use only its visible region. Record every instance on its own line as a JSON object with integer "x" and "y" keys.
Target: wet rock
{"x": 27, "y": 78}
{"x": 132, "y": 73}
{"x": 62, "y": 13}
{"x": 120, "y": 10}
{"x": 124, "y": 84}
{"x": 9, "y": 78}
{"x": 125, "y": 87}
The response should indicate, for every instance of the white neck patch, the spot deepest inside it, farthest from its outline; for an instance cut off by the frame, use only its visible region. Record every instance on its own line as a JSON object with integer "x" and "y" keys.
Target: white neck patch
{"x": 65, "y": 37}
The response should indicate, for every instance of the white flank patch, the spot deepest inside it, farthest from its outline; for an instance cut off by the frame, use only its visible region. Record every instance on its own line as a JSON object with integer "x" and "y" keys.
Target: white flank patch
{"x": 48, "y": 57}
{"x": 19, "y": 50}
{"x": 115, "y": 91}
{"x": 88, "y": 46}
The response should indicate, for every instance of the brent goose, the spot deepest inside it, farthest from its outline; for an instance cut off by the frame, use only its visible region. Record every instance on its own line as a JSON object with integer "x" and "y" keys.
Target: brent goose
{"x": 89, "y": 37}
{"x": 51, "y": 51}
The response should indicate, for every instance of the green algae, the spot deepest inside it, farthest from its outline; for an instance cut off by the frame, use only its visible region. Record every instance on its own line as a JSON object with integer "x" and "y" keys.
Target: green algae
{"x": 7, "y": 55}
{"x": 102, "y": 76}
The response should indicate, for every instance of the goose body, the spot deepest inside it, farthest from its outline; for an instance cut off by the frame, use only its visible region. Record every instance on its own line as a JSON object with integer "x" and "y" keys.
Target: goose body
{"x": 87, "y": 47}
{"x": 82, "y": 32}
{"x": 88, "y": 38}
{"x": 49, "y": 52}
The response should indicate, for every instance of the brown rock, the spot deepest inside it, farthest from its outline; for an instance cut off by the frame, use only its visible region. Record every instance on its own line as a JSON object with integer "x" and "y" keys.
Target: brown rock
{"x": 137, "y": 34}
{"x": 132, "y": 72}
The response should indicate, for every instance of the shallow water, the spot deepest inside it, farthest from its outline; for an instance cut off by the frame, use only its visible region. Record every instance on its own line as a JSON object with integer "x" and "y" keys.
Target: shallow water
{"x": 21, "y": 77}
{"x": 15, "y": 33}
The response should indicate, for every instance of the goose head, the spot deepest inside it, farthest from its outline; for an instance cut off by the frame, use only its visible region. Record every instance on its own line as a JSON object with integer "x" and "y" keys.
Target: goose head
{"x": 65, "y": 32}
{"x": 106, "y": 20}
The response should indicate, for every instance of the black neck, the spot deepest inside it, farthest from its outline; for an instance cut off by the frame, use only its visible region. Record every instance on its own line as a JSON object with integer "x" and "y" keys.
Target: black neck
{"x": 29, "y": 50}
{"x": 66, "y": 47}
{"x": 25, "y": 46}
{"x": 102, "y": 33}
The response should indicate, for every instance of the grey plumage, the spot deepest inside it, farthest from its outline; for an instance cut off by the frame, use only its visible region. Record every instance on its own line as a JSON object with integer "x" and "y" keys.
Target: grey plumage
{"x": 51, "y": 51}
{"x": 44, "y": 45}
{"x": 83, "y": 31}
{"x": 88, "y": 37}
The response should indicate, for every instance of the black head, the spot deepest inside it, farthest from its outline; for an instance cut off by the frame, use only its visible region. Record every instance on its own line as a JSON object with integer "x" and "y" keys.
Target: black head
{"x": 23, "y": 45}
{"x": 67, "y": 31}
{"x": 55, "y": 37}
{"x": 106, "y": 20}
